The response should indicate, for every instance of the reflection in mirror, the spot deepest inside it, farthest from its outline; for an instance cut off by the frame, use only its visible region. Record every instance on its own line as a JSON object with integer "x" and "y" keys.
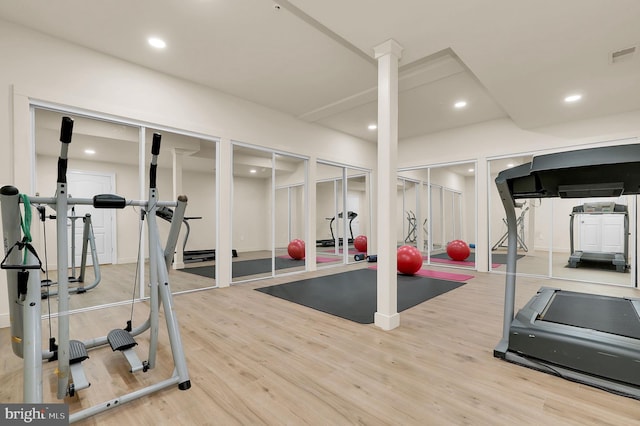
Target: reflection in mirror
{"x": 437, "y": 205}
{"x": 252, "y": 219}
{"x": 358, "y": 204}
{"x": 592, "y": 239}
{"x": 533, "y": 222}
{"x": 330, "y": 220}
{"x": 268, "y": 213}
{"x": 576, "y": 239}
{"x": 338, "y": 228}
{"x": 102, "y": 159}
{"x": 186, "y": 166}
{"x": 289, "y": 208}
{"x": 407, "y": 208}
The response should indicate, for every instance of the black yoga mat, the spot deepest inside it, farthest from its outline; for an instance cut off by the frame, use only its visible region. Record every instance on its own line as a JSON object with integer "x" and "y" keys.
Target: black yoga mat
{"x": 245, "y": 268}
{"x": 495, "y": 257}
{"x": 353, "y": 295}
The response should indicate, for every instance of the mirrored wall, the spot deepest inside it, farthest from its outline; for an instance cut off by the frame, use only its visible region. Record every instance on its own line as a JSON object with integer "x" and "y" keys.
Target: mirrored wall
{"x": 437, "y": 205}
{"x": 110, "y": 156}
{"x": 343, "y": 213}
{"x": 582, "y": 239}
{"x": 269, "y": 205}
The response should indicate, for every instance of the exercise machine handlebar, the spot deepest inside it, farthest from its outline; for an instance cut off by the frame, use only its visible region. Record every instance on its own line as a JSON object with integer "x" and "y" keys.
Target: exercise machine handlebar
{"x": 66, "y": 130}
{"x": 155, "y": 150}
{"x": 102, "y": 202}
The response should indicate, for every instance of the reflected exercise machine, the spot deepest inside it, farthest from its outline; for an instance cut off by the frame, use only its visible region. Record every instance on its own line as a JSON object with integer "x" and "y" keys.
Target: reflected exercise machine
{"x": 88, "y": 243}
{"x": 22, "y": 263}
{"x": 617, "y": 259}
{"x": 332, "y": 242}
{"x": 582, "y": 337}
{"x": 190, "y": 256}
{"x": 520, "y": 225}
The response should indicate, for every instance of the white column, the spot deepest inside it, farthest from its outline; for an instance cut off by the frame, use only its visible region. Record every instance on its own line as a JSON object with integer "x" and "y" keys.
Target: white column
{"x": 225, "y": 210}
{"x": 178, "y": 156}
{"x": 387, "y": 54}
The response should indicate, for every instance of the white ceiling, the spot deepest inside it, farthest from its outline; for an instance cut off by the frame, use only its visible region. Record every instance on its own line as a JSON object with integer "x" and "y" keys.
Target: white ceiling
{"x": 314, "y": 59}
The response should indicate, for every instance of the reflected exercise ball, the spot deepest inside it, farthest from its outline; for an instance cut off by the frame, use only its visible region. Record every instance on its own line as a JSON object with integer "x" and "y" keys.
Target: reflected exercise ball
{"x": 360, "y": 243}
{"x": 458, "y": 250}
{"x": 296, "y": 249}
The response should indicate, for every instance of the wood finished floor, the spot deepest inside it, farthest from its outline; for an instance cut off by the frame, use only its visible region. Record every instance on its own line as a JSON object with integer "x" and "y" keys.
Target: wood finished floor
{"x": 256, "y": 359}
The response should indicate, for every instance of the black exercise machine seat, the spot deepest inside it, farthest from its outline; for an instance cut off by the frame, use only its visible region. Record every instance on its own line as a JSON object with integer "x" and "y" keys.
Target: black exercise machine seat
{"x": 542, "y": 335}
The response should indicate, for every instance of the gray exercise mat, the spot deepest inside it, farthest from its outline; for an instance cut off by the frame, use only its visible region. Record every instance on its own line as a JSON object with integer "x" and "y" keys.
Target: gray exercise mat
{"x": 245, "y": 268}
{"x": 353, "y": 295}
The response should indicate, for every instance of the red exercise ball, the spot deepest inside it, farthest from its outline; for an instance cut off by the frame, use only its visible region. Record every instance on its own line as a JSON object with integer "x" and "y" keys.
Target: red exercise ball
{"x": 458, "y": 250}
{"x": 360, "y": 243}
{"x": 296, "y": 249}
{"x": 409, "y": 260}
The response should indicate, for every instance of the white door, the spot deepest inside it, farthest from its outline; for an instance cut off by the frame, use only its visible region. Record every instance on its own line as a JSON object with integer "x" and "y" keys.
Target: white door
{"x": 613, "y": 234}
{"x": 602, "y": 233}
{"x": 86, "y": 185}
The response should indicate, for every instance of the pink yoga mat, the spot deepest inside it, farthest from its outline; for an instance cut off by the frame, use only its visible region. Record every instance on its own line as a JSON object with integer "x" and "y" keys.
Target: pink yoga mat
{"x": 319, "y": 259}
{"x": 351, "y": 251}
{"x": 439, "y": 275}
{"x": 458, "y": 262}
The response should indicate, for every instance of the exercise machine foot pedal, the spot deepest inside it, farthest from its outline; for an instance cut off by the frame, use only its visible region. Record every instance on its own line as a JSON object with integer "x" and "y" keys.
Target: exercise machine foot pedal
{"x": 77, "y": 354}
{"x": 122, "y": 340}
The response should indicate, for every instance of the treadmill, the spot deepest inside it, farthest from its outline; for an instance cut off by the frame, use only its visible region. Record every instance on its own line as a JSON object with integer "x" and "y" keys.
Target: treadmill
{"x": 582, "y": 337}
{"x": 190, "y": 256}
{"x": 617, "y": 259}
{"x": 332, "y": 242}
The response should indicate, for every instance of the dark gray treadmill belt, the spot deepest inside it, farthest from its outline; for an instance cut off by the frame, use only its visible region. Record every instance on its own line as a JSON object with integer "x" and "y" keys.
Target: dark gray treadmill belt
{"x": 353, "y": 295}
{"x": 602, "y": 313}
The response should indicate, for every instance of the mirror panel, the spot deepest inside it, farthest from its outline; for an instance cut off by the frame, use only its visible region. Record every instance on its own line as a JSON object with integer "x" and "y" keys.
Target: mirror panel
{"x": 289, "y": 218}
{"x": 359, "y": 219}
{"x": 438, "y": 206}
{"x": 102, "y": 158}
{"x": 252, "y": 219}
{"x": 329, "y": 223}
{"x": 187, "y": 166}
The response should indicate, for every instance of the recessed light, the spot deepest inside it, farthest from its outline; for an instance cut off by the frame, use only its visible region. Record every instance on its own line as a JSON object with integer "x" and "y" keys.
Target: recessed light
{"x": 510, "y": 165}
{"x": 253, "y": 171}
{"x": 90, "y": 151}
{"x": 471, "y": 170}
{"x": 372, "y": 126}
{"x": 460, "y": 104}
{"x": 156, "y": 42}
{"x": 573, "y": 98}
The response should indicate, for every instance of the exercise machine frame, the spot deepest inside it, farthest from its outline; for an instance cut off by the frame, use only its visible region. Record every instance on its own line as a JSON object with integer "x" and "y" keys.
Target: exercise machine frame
{"x": 88, "y": 242}
{"x": 595, "y": 356}
{"x": 25, "y": 299}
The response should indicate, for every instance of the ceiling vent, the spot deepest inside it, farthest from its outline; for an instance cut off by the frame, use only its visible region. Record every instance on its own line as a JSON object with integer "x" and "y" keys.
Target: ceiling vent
{"x": 622, "y": 54}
